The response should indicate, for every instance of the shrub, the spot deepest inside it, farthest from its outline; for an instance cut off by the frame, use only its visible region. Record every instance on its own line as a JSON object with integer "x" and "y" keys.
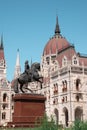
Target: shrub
{"x": 48, "y": 125}
{"x": 80, "y": 125}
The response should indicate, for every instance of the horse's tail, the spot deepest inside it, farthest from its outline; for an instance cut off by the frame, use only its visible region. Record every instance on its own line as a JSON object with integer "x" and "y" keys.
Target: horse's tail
{"x": 16, "y": 86}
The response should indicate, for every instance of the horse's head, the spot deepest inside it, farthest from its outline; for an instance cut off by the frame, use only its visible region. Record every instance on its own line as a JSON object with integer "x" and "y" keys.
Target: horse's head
{"x": 36, "y": 66}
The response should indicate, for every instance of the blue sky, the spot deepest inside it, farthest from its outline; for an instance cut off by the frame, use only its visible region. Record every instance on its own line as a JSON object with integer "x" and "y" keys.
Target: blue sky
{"x": 28, "y": 25}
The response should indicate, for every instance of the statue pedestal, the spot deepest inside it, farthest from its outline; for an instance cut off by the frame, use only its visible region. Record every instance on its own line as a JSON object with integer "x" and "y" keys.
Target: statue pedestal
{"x": 28, "y": 109}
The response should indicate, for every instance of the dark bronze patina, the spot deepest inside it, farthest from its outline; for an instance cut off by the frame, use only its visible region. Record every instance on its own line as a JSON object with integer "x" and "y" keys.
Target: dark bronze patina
{"x": 30, "y": 74}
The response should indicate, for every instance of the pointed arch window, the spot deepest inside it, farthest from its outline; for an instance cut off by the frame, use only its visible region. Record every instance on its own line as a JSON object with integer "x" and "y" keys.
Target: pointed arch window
{"x": 4, "y": 97}
{"x": 55, "y": 89}
{"x": 4, "y": 115}
{"x": 78, "y": 82}
{"x": 64, "y": 86}
{"x": 55, "y": 101}
{"x": 49, "y": 94}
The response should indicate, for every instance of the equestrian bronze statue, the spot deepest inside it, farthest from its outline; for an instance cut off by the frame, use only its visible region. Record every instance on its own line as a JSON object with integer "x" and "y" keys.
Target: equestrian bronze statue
{"x": 31, "y": 74}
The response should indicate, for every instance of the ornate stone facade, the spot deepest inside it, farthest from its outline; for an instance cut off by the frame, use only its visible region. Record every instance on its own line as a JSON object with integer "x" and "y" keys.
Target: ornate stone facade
{"x": 6, "y": 92}
{"x": 65, "y": 80}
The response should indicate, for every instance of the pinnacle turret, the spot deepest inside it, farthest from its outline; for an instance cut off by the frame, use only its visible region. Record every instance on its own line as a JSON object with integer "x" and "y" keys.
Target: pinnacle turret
{"x": 1, "y": 43}
{"x": 17, "y": 66}
{"x": 57, "y": 29}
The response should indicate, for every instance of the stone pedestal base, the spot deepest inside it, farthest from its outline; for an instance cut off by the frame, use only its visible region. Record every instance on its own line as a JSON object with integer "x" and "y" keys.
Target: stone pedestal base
{"x": 28, "y": 110}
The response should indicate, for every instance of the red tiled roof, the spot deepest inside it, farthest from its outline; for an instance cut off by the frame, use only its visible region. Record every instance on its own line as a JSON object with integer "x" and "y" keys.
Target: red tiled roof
{"x": 83, "y": 61}
{"x": 55, "y": 44}
{"x": 69, "y": 53}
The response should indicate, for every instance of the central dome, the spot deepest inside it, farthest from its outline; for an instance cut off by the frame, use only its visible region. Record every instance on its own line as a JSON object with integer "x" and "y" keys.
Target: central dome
{"x": 56, "y": 43}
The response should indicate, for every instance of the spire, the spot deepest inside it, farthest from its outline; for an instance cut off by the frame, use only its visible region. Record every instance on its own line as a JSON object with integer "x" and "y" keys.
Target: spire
{"x": 1, "y": 44}
{"x": 3, "y": 66}
{"x": 57, "y": 29}
{"x": 18, "y": 58}
{"x": 1, "y": 48}
{"x": 17, "y": 66}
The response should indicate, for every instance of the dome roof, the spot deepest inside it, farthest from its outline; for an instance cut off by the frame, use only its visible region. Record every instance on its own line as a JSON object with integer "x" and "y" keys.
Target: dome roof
{"x": 57, "y": 43}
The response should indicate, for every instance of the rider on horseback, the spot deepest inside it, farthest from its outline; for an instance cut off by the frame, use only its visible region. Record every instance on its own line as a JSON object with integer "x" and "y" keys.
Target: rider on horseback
{"x": 28, "y": 71}
{"x": 30, "y": 74}
{"x": 27, "y": 67}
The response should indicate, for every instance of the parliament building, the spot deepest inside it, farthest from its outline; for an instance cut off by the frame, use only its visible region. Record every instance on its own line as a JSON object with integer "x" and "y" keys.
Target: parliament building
{"x": 64, "y": 81}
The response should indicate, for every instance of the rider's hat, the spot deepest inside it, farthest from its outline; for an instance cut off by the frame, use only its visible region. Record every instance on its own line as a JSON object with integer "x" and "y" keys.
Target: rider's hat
{"x": 26, "y": 62}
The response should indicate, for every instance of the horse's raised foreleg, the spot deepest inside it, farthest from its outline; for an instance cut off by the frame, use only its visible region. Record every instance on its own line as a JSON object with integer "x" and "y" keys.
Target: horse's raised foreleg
{"x": 29, "y": 90}
{"x": 21, "y": 88}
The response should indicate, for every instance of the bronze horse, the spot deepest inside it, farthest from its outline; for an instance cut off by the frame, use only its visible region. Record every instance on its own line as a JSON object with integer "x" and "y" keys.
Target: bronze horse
{"x": 30, "y": 76}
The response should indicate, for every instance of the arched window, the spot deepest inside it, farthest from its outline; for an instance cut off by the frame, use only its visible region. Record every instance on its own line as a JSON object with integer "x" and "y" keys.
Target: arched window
{"x": 54, "y": 101}
{"x": 4, "y": 97}
{"x": 65, "y": 111}
{"x": 63, "y": 99}
{"x": 78, "y": 82}
{"x": 12, "y": 97}
{"x": 78, "y": 113}
{"x": 66, "y": 98}
{"x": 4, "y": 106}
{"x": 56, "y": 115}
{"x": 77, "y": 98}
{"x": 49, "y": 94}
{"x": 4, "y": 115}
{"x": 64, "y": 86}
{"x": 55, "y": 88}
